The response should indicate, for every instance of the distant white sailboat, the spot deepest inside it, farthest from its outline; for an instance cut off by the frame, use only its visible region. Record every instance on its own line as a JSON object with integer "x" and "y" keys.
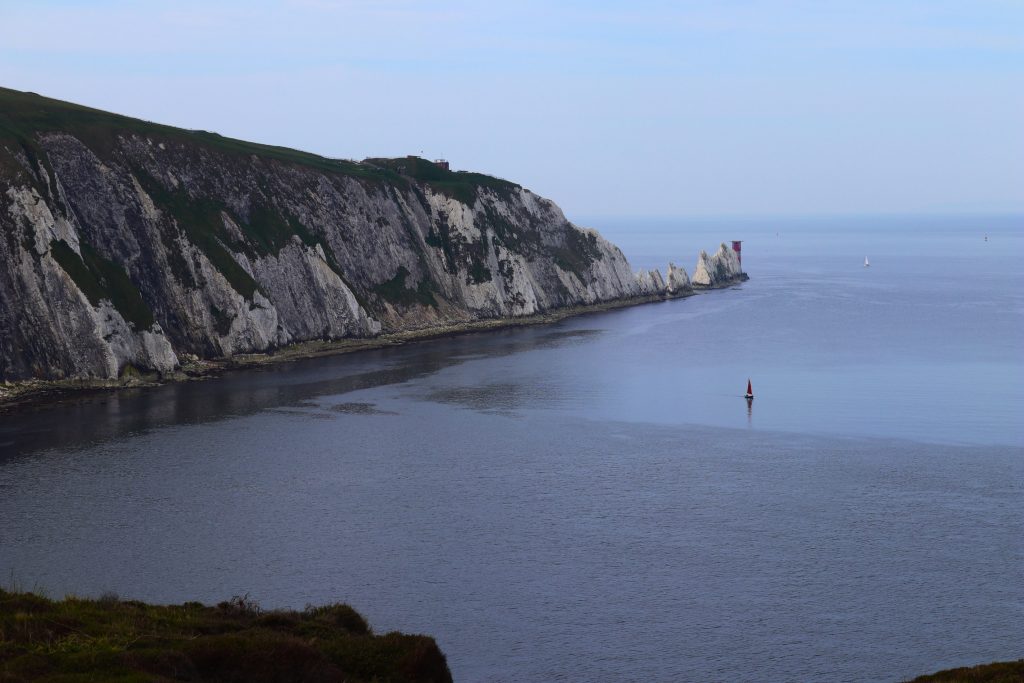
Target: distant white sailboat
{"x": 866, "y": 264}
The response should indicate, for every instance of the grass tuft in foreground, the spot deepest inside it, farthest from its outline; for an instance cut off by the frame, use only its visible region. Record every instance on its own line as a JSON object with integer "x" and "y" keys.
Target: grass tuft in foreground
{"x": 76, "y": 640}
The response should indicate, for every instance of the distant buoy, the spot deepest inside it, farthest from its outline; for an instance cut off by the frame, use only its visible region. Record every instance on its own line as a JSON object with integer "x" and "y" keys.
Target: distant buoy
{"x": 750, "y": 391}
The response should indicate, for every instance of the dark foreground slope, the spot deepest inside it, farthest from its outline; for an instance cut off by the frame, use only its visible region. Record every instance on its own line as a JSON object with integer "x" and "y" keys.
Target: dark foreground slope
{"x": 110, "y": 640}
{"x": 127, "y": 245}
{"x": 997, "y": 672}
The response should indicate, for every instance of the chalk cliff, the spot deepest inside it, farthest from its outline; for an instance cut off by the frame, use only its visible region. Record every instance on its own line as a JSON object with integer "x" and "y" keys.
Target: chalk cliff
{"x": 126, "y": 244}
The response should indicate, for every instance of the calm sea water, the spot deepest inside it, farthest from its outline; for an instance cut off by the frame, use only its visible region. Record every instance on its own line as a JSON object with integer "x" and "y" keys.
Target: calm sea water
{"x": 594, "y": 500}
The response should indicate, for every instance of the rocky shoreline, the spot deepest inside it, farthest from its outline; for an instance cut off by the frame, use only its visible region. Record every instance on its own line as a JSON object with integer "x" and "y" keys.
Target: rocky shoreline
{"x": 27, "y": 394}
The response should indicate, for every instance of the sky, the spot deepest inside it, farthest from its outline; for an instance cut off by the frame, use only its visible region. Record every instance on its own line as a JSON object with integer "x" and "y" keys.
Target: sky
{"x": 641, "y": 108}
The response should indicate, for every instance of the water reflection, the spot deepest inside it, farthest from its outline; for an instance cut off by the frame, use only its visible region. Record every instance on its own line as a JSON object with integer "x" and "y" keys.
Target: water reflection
{"x": 87, "y": 420}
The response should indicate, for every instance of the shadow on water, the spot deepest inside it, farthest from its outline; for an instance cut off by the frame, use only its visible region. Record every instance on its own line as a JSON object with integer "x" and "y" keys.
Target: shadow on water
{"x": 359, "y": 409}
{"x": 499, "y": 396}
{"x": 91, "y": 419}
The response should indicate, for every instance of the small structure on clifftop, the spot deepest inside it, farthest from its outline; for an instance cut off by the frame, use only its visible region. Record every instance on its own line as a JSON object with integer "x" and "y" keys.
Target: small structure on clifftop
{"x": 736, "y": 246}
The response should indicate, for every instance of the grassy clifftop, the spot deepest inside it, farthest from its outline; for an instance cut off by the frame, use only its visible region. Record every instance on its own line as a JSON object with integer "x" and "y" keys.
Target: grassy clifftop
{"x": 461, "y": 185}
{"x": 75, "y": 640}
{"x": 24, "y": 115}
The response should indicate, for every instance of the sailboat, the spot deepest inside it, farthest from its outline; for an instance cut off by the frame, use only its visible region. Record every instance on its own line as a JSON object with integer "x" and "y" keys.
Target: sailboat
{"x": 866, "y": 264}
{"x": 750, "y": 391}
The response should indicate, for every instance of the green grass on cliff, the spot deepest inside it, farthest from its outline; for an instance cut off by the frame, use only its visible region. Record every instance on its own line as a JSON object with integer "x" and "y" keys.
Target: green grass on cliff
{"x": 580, "y": 251}
{"x": 397, "y": 290}
{"x": 100, "y": 278}
{"x": 75, "y": 640}
{"x": 460, "y": 185}
{"x": 23, "y": 115}
{"x": 201, "y": 220}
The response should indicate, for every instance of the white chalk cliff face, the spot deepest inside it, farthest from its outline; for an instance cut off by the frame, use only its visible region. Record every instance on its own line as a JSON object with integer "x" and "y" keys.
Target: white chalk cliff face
{"x": 126, "y": 250}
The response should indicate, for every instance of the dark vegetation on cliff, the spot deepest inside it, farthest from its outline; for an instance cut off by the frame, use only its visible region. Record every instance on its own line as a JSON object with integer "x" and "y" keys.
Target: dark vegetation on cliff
{"x": 102, "y": 279}
{"x": 460, "y": 185}
{"x": 997, "y": 672}
{"x": 75, "y": 640}
{"x": 398, "y": 290}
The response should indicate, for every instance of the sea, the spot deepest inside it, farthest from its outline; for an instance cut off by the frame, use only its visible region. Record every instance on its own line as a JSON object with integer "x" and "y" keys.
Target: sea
{"x": 594, "y": 500}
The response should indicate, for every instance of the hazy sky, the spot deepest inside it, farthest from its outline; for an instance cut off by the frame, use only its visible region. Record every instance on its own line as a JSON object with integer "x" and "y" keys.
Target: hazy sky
{"x": 609, "y": 108}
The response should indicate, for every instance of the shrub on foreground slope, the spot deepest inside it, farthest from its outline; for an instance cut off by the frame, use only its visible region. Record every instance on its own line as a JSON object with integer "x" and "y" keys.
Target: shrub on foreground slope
{"x": 76, "y": 640}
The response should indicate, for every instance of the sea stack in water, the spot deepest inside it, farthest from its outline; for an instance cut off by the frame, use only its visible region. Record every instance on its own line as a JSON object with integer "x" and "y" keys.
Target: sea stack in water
{"x": 714, "y": 271}
{"x": 677, "y": 281}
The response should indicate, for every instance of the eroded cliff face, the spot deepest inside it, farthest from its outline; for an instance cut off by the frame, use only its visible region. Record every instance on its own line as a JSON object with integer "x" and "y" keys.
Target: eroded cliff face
{"x": 126, "y": 245}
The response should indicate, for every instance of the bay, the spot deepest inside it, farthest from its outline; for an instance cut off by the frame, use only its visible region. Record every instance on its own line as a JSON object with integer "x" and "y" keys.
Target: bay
{"x": 594, "y": 500}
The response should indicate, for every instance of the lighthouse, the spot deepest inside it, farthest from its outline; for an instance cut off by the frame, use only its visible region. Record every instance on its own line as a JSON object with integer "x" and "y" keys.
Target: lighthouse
{"x": 736, "y": 245}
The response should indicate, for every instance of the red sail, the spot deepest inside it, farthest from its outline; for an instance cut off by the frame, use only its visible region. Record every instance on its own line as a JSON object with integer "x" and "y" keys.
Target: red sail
{"x": 750, "y": 392}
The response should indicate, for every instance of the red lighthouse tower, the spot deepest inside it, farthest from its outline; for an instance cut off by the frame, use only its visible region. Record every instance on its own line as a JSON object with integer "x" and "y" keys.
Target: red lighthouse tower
{"x": 736, "y": 245}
